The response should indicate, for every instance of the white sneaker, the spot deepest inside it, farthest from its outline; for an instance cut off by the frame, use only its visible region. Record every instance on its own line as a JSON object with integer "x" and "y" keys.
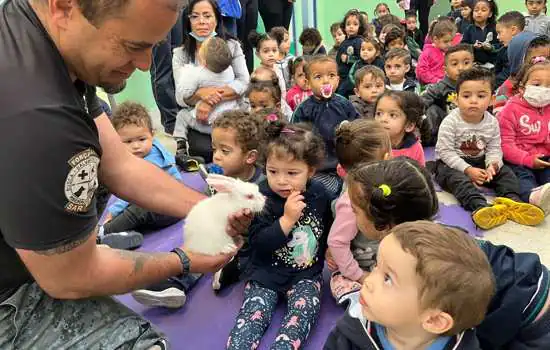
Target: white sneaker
{"x": 172, "y": 298}
{"x": 540, "y": 197}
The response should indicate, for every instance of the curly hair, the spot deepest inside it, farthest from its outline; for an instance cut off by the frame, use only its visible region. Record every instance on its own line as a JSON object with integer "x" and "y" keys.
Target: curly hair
{"x": 310, "y": 36}
{"x": 412, "y": 194}
{"x": 131, "y": 113}
{"x": 278, "y": 33}
{"x": 249, "y": 132}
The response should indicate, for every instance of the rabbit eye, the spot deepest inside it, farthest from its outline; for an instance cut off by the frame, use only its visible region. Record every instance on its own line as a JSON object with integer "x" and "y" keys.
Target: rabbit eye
{"x": 249, "y": 196}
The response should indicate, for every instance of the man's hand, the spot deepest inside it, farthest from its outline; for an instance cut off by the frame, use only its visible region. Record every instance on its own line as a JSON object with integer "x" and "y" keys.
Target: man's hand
{"x": 203, "y": 111}
{"x": 238, "y": 223}
{"x": 477, "y": 175}
{"x": 330, "y": 261}
{"x": 208, "y": 263}
{"x": 540, "y": 164}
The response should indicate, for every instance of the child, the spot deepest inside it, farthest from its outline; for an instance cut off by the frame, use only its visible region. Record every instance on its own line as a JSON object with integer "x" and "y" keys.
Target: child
{"x": 283, "y": 60}
{"x": 354, "y": 252}
{"x": 267, "y": 50}
{"x": 536, "y": 20}
{"x": 381, "y": 10}
{"x": 522, "y": 48}
{"x": 469, "y": 154}
{"x": 325, "y": 110}
{"x": 388, "y": 22}
{"x": 312, "y": 42}
{"x": 369, "y": 85}
{"x": 134, "y": 126}
{"x": 440, "y": 98}
{"x": 338, "y": 36}
{"x": 430, "y": 68}
{"x": 456, "y": 10}
{"x": 350, "y": 50}
{"x": 522, "y": 281}
{"x": 287, "y": 242}
{"x": 236, "y": 142}
{"x": 466, "y": 18}
{"x": 396, "y": 64}
{"x": 482, "y": 34}
{"x": 415, "y": 297}
{"x": 413, "y": 31}
{"x": 524, "y": 123}
{"x": 394, "y": 38}
{"x": 214, "y": 70}
{"x": 267, "y": 95}
{"x": 370, "y": 56}
{"x": 509, "y": 25}
{"x": 400, "y": 113}
{"x": 300, "y": 91}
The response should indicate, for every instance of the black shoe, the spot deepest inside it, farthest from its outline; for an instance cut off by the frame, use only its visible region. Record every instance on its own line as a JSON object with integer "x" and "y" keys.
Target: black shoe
{"x": 122, "y": 240}
{"x": 187, "y": 163}
{"x": 165, "y": 294}
{"x": 227, "y": 276}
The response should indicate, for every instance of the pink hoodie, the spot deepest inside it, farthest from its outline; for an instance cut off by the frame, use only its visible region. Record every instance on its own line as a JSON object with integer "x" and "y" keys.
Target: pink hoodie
{"x": 524, "y": 131}
{"x": 431, "y": 65}
{"x": 342, "y": 232}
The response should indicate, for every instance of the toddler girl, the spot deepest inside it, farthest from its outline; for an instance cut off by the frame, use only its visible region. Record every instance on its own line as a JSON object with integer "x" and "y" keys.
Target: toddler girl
{"x": 482, "y": 34}
{"x": 285, "y": 58}
{"x": 431, "y": 65}
{"x": 300, "y": 91}
{"x": 287, "y": 242}
{"x": 267, "y": 81}
{"x": 381, "y": 10}
{"x": 267, "y": 50}
{"x": 353, "y": 253}
{"x": 350, "y": 50}
{"x": 400, "y": 113}
{"x": 338, "y": 36}
{"x": 465, "y": 18}
{"x": 524, "y": 129}
{"x": 370, "y": 55}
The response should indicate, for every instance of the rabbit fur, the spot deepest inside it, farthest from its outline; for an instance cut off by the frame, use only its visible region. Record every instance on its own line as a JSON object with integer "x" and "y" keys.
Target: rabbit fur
{"x": 204, "y": 230}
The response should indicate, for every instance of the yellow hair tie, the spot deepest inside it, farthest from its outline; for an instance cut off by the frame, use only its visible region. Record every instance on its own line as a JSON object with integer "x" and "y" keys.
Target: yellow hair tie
{"x": 386, "y": 190}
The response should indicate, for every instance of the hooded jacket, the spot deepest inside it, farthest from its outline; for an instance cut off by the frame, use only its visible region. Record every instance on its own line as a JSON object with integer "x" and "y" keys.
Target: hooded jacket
{"x": 430, "y": 68}
{"x": 440, "y": 100}
{"x": 524, "y": 131}
{"x": 539, "y": 24}
{"x": 365, "y": 109}
{"x": 517, "y": 49}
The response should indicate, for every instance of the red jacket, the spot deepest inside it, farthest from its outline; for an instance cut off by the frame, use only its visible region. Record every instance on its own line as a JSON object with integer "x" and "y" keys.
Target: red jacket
{"x": 524, "y": 131}
{"x": 431, "y": 65}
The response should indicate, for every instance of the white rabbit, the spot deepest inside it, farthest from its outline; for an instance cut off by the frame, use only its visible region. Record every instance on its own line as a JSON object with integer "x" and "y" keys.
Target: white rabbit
{"x": 204, "y": 230}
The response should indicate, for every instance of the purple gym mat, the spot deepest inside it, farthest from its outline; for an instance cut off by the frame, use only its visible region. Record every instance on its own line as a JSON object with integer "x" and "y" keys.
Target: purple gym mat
{"x": 206, "y": 319}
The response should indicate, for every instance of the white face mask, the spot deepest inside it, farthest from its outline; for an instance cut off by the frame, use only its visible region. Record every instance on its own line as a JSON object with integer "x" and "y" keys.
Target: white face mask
{"x": 537, "y": 96}
{"x": 201, "y": 39}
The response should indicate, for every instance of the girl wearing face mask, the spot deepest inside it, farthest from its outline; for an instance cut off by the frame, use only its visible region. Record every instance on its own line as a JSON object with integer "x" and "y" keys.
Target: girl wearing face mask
{"x": 524, "y": 127}
{"x": 201, "y": 23}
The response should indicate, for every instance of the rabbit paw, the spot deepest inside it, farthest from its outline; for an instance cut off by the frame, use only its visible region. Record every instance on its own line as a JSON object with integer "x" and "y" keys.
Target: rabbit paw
{"x": 230, "y": 248}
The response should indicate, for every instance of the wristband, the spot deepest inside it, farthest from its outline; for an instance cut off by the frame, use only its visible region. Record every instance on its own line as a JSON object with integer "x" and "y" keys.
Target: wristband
{"x": 185, "y": 262}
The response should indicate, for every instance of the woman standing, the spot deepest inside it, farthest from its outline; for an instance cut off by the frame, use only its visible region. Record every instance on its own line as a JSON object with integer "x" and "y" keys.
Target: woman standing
{"x": 200, "y": 24}
{"x": 276, "y": 13}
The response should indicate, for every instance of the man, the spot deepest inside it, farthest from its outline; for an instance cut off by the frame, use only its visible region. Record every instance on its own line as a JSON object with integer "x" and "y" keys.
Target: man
{"x": 57, "y": 144}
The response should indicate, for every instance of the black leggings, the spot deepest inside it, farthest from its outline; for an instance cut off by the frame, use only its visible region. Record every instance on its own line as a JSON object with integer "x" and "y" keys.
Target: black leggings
{"x": 247, "y": 23}
{"x": 276, "y": 13}
{"x": 200, "y": 145}
{"x": 136, "y": 218}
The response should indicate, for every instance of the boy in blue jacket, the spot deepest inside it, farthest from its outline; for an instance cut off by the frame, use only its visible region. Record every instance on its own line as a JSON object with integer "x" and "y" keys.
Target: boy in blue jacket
{"x": 134, "y": 126}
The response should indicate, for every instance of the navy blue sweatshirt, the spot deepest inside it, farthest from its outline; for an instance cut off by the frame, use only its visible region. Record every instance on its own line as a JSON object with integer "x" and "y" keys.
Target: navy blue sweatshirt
{"x": 278, "y": 261}
{"x": 326, "y": 116}
{"x": 351, "y": 45}
{"x": 474, "y": 33}
{"x": 521, "y": 290}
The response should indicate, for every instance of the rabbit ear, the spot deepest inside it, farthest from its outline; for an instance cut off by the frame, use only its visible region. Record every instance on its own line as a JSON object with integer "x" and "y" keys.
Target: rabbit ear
{"x": 221, "y": 183}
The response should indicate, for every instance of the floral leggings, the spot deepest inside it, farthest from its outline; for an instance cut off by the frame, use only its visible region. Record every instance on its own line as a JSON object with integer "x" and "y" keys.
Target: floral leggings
{"x": 257, "y": 310}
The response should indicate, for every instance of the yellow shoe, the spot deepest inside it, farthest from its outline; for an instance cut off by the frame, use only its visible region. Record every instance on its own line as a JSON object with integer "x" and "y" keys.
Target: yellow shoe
{"x": 522, "y": 213}
{"x": 489, "y": 217}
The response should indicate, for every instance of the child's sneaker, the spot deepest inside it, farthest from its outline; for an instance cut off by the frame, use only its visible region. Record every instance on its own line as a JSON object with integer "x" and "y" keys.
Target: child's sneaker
{"x": 489, "y": 217}
{"x": 164, "y": 294}
{"x": 227, "y": 276}
{"x": 540, "y": 197}
{"x": 522, "y": 213}
{"x": 341, "y": 287}
{"x": 121, "y": 240}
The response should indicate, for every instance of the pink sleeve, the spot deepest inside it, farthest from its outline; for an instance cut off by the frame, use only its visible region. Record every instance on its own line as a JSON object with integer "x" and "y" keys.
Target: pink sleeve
{"x": 290, "y": 98}
{"x": 427, "y": 71}
{"x": 419, "y": 154}
{"x": 511, "y": 152}
{"x": 343, "y": 231}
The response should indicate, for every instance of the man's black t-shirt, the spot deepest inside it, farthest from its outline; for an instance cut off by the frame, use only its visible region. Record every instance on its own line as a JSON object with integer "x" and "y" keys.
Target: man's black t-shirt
{"x": 50, "y": 148}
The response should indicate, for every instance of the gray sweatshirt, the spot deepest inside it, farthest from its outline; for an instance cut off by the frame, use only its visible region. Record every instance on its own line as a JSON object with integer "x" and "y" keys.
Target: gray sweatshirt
{"x": 538, "y": 24}
{"x": 459, "y": 140}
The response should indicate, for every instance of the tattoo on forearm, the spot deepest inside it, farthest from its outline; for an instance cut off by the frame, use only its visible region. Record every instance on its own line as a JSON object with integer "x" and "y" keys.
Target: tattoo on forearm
{"x": 139, "y": 259}
{"x": 64, "y": 248}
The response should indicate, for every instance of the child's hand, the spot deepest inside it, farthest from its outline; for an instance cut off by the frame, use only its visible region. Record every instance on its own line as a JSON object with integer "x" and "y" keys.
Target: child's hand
{"x": 477, "y": 175}
{"x": 363, "y": 276}
{"x": 539, "y": 163}
{"x": 478, "y": 44}
{"x": 330, "y": 261}
{"x": 344, "y": 58}
{"x": 487, "y": 46}
{"x": 203, "y": 111}
{"x": 293, "y": 210}
{"x": 492, "y": 171}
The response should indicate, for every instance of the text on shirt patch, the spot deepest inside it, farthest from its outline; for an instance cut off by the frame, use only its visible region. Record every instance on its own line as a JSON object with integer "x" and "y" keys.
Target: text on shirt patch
{"x": 81, "y": 182}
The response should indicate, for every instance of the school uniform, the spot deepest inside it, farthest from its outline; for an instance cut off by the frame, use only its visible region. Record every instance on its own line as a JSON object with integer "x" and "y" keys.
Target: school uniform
{"x": 474, "y": 33}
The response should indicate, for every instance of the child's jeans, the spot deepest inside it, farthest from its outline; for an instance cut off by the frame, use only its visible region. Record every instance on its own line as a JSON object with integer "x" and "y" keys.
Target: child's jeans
{"x": 304, "y": 303}
{"x": 461, "y": 186}
{"x": 529, "y": 179}
{"x": 136, "y": 218}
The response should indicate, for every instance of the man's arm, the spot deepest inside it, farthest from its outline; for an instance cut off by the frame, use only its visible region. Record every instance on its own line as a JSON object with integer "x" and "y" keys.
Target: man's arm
{"x": 82, "y": 269}
{"x": 139, "y": 181}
